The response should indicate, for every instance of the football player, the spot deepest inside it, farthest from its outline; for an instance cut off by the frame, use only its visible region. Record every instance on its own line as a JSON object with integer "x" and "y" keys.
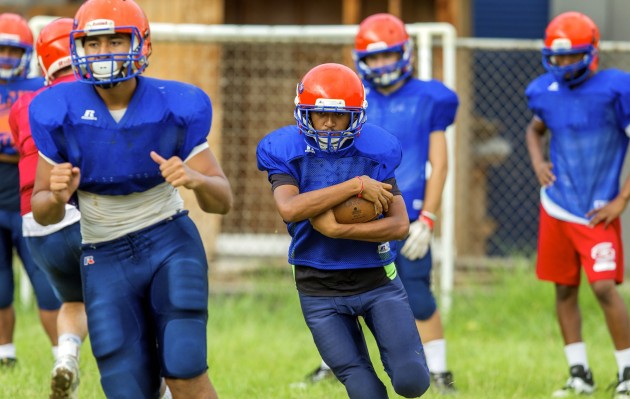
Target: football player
{"x": 587, "y": 113}
{"x": 344, "y": 271}
{"x": 16, "y": 48}
{"x": 124, "y": 143}
{"x": 417, "y": 113}
{"x": 55, "y": 248}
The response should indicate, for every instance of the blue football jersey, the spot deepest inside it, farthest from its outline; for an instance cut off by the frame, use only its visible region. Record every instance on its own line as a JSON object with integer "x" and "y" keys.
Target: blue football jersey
{"x": 9, "y": 182}
{"x": 375, "y": 153}
{"x": 411, "y": 113}
{"x": 71, "y": 123}
{"x": 588, "y": 139}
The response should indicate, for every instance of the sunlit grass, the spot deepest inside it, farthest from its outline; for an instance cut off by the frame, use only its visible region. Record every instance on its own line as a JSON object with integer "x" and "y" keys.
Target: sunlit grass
{"x": 503, "y": 342}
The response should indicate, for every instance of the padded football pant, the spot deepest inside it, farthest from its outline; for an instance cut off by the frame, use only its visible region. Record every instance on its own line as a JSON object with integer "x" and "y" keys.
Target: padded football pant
{"x": 416, "y": 278}
{"x": 334, "y": 324}
{"x": 146, "y": 298}
{"x": 59, "y": 256}
{"x": 10, "y": 237}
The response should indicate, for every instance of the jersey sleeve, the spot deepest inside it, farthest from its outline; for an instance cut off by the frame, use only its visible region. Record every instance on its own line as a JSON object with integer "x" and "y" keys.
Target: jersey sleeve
{"x": 46, "y": 125}
{"x": 622, "y": 106}
{"x": 198, "y": 111}
{"x": 445, "y": 108}
{"x": 268, "y": 156}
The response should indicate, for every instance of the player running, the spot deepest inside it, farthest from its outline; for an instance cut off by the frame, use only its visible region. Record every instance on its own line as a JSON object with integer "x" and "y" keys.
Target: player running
{"x": 123, "y": 144}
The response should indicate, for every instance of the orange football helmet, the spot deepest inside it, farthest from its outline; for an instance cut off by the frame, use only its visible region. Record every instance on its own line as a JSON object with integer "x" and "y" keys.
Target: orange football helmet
{"x": 381, "y": 33}
{"x": 571, "y": 33}
{"x": 107, "y": 17}
{"x": 15, "y": 32}
{"x": 53, "y": 47}
{"x": 330, "y": 88}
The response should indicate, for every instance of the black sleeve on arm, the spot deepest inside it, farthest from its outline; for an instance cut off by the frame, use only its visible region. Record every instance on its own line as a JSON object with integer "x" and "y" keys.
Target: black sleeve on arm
{"x": 395, "y": 189}
{"x": 280, "y": 179}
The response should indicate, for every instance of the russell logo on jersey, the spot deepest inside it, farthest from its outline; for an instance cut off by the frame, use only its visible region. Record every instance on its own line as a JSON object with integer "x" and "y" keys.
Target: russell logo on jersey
{"x": 89, "y": 115}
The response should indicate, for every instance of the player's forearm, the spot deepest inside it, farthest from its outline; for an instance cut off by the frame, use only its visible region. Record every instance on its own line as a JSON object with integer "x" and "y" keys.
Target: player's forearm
{"x": 46, "y": 209}
{"x": 310, "y": 204}
{"x": 394, "y": 226}
{"x": 534, "y": 141}
{"x": 434, "y": 189}
{"x": 214, "y": 195}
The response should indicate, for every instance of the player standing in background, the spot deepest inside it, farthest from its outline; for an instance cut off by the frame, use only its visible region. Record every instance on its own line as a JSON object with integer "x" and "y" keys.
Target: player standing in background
{"x": 343, "y": 271}
{"x": 417, "y": 112}
{"x": 16, "y": 48}
{"x": 588, "y": 115}
{"x": 56, "y": 248}
{"x": 124, "y": 143}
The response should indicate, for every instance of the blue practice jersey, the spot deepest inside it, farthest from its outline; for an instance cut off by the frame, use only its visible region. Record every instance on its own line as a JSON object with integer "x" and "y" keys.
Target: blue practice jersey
{"x": 375, "y": 153}
{"x": 71, "y": 123}
{"x": 9, "y": 176}
{"x": 411, "y": 113}
{"x": 588, "y": 136}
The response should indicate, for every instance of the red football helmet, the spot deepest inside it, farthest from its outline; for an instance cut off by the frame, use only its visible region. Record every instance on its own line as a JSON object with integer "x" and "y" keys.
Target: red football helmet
{"x": 330, "y": 88}
{"x": 107, "y": 17}
{"x": 383, "y": 33}
{"x": 15, "y": 32}
{"x": 53, "y": 47}
{"x": 571, "y": 33}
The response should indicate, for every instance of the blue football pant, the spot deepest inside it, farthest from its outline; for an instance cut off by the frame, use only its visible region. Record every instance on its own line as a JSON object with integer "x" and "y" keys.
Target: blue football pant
{"x": 416, "y": 278}
{"x": 146, "y": 297}
{"x": 334, "y": 324}
{"x": 59, "y": 256}
{"x": 11, "y": 237}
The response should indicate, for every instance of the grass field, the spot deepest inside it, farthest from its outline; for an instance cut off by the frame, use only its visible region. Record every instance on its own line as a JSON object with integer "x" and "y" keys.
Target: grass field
{"x": 503, "y": 342}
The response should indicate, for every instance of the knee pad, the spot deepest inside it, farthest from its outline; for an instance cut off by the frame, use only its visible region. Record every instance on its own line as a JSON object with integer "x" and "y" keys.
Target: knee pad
{"x": 422, "y": 302}
{"x": 184, "y": 350}
{"x": 411, "y": 380}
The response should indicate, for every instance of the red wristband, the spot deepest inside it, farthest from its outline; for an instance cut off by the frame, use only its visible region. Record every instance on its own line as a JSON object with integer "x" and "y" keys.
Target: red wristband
{"x": 360, "y": 195}
{"x": 428, "y": 218}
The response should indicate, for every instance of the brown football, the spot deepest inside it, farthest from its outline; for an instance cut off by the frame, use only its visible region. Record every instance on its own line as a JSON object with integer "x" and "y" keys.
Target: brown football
{"x": 354, "y": 210}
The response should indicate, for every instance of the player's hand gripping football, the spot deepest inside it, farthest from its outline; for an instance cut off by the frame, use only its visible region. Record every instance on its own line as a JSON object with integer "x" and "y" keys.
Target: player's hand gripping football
{"x": 175, "y": 171}
{"x": 377, "y": 192}
{"x": 64, "y": 180}
{"x": 419, "y": 239}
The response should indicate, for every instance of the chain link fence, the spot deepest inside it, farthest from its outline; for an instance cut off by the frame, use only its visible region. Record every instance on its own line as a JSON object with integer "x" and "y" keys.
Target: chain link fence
{"x": 252, "y": 85}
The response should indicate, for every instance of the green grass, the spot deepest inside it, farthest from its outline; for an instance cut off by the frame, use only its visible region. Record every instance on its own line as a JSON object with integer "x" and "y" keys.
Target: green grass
{"x": 503, "y": 342}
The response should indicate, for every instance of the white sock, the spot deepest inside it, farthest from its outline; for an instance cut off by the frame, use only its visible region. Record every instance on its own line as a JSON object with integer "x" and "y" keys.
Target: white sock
{"x": 576, "y": 354}
{"x": 623, "y": 360}
{"x": 324, "y": 366}
{"x": 55, "y": 352}
{"x": 167, "y": 394}
{"x": 69, "y": 344}
{"x": 435, "y": 352}
{"x": 7, "y": 350}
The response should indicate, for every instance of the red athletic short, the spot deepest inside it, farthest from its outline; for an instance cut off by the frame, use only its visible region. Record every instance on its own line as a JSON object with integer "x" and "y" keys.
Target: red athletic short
{"x": 565, "y": 246}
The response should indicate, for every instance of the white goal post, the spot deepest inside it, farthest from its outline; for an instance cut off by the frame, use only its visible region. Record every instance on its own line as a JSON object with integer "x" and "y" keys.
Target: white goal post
{"x": 427, "y": 38}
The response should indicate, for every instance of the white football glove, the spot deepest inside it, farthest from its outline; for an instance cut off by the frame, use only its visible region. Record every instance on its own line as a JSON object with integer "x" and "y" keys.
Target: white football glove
{"x": 419, "y": 239}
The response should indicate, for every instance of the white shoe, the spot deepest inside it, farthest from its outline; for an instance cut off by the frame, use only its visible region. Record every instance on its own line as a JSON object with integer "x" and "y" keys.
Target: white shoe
{"x": 580, "y": 382}
{"x": 622, "y": 391}
{"x": 64, "y": 382}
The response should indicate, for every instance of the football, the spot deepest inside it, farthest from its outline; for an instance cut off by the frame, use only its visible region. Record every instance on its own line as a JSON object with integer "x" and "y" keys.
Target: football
{"x": 354, "y": 210}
